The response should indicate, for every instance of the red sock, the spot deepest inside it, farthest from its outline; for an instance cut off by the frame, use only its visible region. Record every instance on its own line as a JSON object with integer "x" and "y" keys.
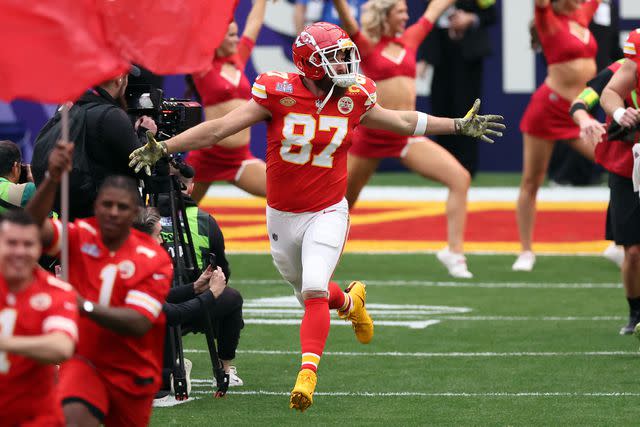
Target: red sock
{"x": 336, "y": 296}
{"x": 314, "y": 331}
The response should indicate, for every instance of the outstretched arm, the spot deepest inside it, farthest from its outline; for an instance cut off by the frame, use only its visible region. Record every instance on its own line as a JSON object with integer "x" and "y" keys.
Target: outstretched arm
{"x": 620, "y": 86}
{"x": 349, "y": 23}
{"x": 203, "y": 135}
{"x": 254, "y": 20}
{"x": 299, "y": 12}
{"x": 436, "y": 8}
{"x": 414, "y": 123}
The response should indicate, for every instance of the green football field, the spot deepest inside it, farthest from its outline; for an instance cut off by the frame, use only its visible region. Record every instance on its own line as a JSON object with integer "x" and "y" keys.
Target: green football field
{"x": 504, "y": 349}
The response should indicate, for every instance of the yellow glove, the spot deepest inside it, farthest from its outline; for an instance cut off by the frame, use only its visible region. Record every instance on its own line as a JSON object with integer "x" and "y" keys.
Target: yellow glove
{"x": 147, "y": 155}
{"x": 479, "y": 126}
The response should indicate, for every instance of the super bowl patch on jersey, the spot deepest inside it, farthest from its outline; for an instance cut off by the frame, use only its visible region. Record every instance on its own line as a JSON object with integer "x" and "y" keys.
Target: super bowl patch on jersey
{"x": 345, "y": 105}
{"x": 285, "y": 87}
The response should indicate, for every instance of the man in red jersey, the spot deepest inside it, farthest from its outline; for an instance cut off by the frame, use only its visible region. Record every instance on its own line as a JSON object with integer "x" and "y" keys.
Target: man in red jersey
{"x": 620, "y": 101}
{"x": 122, "y": 276}
{"x": 38, "y": 316}
{"x": 310, "y": 116}
{"x": 625, "y": 80}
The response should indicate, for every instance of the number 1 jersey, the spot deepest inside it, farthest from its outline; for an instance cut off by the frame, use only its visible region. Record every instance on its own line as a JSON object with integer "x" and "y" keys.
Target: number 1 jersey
{"x": 307, "y": 150}
{"x": 136, "y": 276}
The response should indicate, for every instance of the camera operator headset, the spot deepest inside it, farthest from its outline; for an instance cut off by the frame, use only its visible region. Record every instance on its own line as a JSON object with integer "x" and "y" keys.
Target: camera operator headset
{"x": 16, "y": 183}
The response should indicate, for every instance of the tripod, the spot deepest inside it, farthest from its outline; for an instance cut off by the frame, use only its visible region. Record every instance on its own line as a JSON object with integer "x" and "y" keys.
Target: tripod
{"x": 185, "y": 269}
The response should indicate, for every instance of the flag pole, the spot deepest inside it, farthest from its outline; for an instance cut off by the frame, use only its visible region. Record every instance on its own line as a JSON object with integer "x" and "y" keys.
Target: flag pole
{"x": 64, "y": 199}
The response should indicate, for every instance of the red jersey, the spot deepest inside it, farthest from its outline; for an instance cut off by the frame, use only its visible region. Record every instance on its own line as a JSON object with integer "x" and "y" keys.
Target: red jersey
{"x": 380, "y": 64}
{"x": 307, "y": 151}
{"x": 136, "y": 276}
{"x": 615, "y": 155}
{"x": 566, "y": 37}
{"x": 637, "y": 61}
{"x": 226, "y": 79}
{"x": 46, "y": 305}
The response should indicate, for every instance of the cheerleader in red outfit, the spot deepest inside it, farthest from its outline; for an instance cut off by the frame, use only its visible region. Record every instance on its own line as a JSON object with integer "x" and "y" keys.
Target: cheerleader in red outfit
{"x": 570, "y": 51}
{"x": 223, "y": 88}
{"x": 388, "y": 52}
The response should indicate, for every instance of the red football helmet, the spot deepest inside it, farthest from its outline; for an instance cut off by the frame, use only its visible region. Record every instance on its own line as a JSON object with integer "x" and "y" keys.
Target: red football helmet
{"x": 322, "y": 46}
{"x": 632, "y": 46}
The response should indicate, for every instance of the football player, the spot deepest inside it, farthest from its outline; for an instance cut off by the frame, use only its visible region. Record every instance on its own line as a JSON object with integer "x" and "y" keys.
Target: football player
{"x": 620, "y": 101}
{"x": 38, "y": 316}
{"x": 310, "y": 116}
{"x": 122, "y": 276}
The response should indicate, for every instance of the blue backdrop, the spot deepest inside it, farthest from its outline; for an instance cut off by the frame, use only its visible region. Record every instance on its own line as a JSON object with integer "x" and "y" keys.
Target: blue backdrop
{"x": 511, "y": 75}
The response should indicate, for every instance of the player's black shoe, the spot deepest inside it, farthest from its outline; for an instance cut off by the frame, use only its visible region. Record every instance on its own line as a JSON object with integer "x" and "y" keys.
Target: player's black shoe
{"x": 634, "y": 319}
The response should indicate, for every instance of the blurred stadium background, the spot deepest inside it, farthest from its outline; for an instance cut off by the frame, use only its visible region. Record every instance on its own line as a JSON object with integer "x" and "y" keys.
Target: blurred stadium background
{"x": 511, "y": 74}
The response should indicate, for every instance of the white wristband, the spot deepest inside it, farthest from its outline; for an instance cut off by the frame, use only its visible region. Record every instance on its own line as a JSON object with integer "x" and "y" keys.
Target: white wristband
{"x": 617, "y": 115}
{"x": 421, "y": 125}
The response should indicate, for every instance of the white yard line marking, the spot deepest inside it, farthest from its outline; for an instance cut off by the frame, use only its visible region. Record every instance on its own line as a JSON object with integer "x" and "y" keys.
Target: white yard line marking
{"x": 426, "y": 394}
{"x": 413, "y": 324}
{"x": 444, "y": 354}
{"x": 424, "y": 283}
{"x": 278, "y": 317}
{"x": 476, "y": 194}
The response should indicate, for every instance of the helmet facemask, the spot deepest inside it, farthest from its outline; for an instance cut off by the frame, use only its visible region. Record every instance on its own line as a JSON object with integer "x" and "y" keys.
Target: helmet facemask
{"x": 344, "y": 53}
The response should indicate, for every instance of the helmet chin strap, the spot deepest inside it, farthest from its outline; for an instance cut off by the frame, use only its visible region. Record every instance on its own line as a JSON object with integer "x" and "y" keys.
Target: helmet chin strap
{"x": 326, "y": 99}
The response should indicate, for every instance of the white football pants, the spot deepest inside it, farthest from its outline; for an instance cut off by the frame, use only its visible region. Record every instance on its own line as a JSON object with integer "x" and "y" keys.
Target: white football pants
{"x": 306, "y": 247}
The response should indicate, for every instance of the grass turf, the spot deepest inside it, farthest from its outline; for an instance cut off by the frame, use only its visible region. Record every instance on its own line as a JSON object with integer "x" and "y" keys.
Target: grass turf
{"x": 538, "y": 348}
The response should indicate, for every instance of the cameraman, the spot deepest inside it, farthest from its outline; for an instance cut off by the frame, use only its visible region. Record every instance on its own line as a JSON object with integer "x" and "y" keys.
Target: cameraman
{"x": 206, "y": 234}
{"x": 186, "y": 304}
{"x": 109, "y": 137}
{"x": 16, "y": 183}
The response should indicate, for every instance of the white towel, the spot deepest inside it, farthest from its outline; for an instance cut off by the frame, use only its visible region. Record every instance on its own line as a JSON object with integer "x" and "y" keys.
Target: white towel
{"x": 635, "y": 176}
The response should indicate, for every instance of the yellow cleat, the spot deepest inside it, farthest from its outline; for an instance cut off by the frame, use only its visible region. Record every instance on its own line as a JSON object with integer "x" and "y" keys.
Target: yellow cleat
{"x": 302, "y": 393}
{"x": 360, "y": 319}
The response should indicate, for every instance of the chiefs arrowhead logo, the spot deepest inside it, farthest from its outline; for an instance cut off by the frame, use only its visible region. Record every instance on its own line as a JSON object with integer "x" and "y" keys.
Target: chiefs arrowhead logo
{"x": 305, "y": 38}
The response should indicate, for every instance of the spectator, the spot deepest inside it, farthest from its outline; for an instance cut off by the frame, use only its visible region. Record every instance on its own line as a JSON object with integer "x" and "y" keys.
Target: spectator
{"x": 35, "y": 336}
{"x": 110, "y": 136}
{"x": 457, "y": 48}
{"x": 122, "y": 277}
{"x": 310, "y": 11}
{"x": 16, "y": 182}
{"x": 187, "y": 304}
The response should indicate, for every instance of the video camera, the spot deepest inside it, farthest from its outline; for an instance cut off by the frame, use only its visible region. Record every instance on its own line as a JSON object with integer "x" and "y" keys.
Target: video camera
{"x": 172, "y": 115}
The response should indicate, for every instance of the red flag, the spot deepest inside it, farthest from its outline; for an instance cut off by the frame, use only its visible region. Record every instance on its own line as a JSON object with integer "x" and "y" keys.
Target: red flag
{"x": 168, "y": 36}
{"x": 53, "y": 50}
